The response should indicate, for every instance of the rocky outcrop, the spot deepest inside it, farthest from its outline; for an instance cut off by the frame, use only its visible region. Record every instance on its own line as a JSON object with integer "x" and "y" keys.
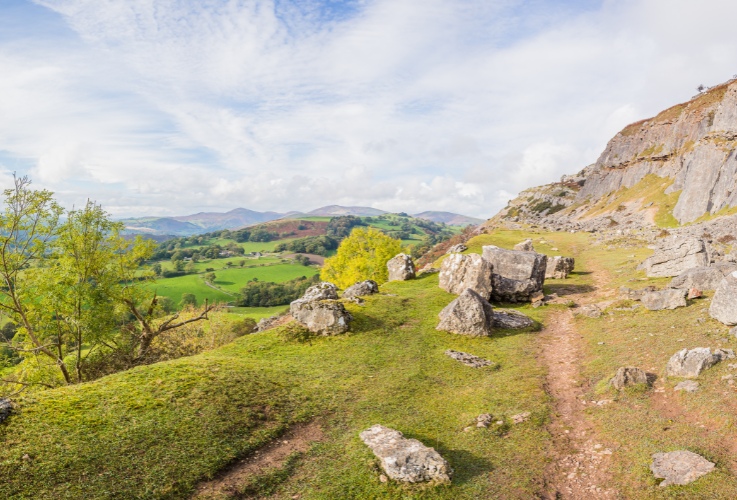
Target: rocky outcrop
{"x": 559, "y": 267}
{"x": 628, "y": 376}
{"x": 703, "y": 278}
{"x": 690, "y": 363}
{"x": 469, "y": 314}
{"x": 360, "y": 289}
{"x": 723, "y": 306}
{"x": 665, "y": 299}
{"x": 460, "y": 272}
{"x": 468, "y": 359}
{"x": 516, "y": 276}
{"x": 460, "y": 247}
{"x": 525, "y": 246}
{"x": 322, "y": 291}
{"x": 401, "y": 268}
{"x": 323, "y": 317}
{"x": 406, "y": 460}
{"x": 675, "y": 257}
{"x": 679, "y": 467}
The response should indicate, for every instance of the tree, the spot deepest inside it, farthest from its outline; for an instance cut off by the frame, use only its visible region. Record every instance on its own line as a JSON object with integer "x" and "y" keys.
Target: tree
{"x": 190, "y": 267}
{"x": 361, "y": 256}
{"x": 166, "y": 304}
{"x": 210, "y": 277}
{"x": 196, "y": 257}
{"x": 178, "y": 266}
{"x": 188, "y": 299}
{"x": 701, "y": 88}
{"x": 178, "y": 255}
{"x": 156, "y": 268}
{"x": 241, "y": 263}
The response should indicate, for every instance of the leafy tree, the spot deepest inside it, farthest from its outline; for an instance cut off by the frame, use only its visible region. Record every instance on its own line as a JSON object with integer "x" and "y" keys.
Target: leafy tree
{"x": 196, "y": 257}
{"x": 190, "y": 267}
{"x": 361, "y": 256}
{"x": 209, "y": 269}
{"x": 178, "y": 255}
{"x": 210, "y": 277}
{"x": 188, "y": 299}
{"x": 167, "y": 305}
{"x": 156, "y": 268}
{"x": 178, "y": 266}
{"x": 267, "y": 294}
{"x": 245, "y": 327}
{"x": 241, "y": 263}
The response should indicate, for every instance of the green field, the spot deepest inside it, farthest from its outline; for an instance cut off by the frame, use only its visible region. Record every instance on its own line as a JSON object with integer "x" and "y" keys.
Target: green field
{"x": 222, "y": 263}
{"x": 254, "y": 312}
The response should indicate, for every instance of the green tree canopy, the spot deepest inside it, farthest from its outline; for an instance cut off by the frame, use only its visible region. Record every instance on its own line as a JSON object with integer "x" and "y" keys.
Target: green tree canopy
{"x": 361, "y": 256}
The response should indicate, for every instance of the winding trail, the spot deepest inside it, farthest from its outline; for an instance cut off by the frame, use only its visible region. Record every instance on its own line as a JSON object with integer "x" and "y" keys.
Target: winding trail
{"x": 579, "y": 469}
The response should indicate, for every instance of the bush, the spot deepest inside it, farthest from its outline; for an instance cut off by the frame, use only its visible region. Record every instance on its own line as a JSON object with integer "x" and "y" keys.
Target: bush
{"x": 188, "y": 299}
{"x": 245, "y": 327}
{"x": 361, "y": 256}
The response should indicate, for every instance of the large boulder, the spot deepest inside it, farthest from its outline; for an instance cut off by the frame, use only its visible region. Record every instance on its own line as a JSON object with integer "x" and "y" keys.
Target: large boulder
{"x": 323, "y": 317}
{"x": 559, "y": 267}
{"x": 516, "y": 276}
{"x": 723, "y": 306}
{"x": 460, "y": 272}
{"x": 401, "y": 268}
{"x": 469, "y": 314}
{"x": 627, "y": 376}
{"x": 690, "y": 363}
{"x": 321, "y": 291}
{"x": 703, "y": 278}
{"x": 665, "y": 299}
{"x": 460, "y": 247}
{"x": 367, "y": 287}
{"x": 406, "y": 460}
{"x": 509, "y": 319}
{"x": 675, "y": 257}
{"x": 525, "y": 246}
{"x": 679, "y": 467}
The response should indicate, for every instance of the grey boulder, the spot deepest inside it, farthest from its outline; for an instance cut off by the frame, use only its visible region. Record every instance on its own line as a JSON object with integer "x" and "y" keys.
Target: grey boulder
{"x": 627, "y": 376}
{"x": 516, "y": 276}
{"x": 322, "y": 291}
{"x": 559, "y": 267}
{"x": 525, "y": 246}
{"x": 401, "y": 268}
{"x": 460, "y": 247}
{"x": 6, "y": 408}
{"x": 461, "y": 272}
{"x": 676, "y": 257}
{"x": 468, "y": 359}
{"x": 665, "y": 299}
{"x": 690, "y": 363}
{"x": 406, "y": 460}
{"x": 469, "y": 314}
{"x": 629, "y": 293}
{"x": 702, "y": 278}
{"x": 367, "y": 287}
{"x": 723, "y": 306}
{"x": 323, "y": 317}
{"x": 679, "y": 467}
{"x": 509, "y": 319}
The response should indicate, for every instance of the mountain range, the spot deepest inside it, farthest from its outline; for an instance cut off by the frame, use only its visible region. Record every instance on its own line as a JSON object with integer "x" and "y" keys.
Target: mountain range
{"x": 203, "y": 222}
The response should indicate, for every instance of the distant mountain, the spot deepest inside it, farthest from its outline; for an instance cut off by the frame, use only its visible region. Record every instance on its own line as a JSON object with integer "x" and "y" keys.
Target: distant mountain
{"x": 449, "y": 218}
{"x": 203, "y": 222}
{"x": 337, "y": 210}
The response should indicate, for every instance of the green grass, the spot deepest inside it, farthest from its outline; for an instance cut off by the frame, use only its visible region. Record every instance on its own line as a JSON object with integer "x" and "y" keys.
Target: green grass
{"x": 234, "y": 279}
{"x": 155, "y": 431}
{"x": 191, "y": 283}
{"x": 256, "y": 313}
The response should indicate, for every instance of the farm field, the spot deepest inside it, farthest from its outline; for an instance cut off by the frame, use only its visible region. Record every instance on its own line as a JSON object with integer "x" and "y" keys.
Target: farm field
{"x": 256, "y": 313}
{"x": 204, "y": 264}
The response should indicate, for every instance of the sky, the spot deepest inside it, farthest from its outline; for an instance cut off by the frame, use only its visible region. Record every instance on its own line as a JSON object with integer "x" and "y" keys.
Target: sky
{"x": 173, "y": 107}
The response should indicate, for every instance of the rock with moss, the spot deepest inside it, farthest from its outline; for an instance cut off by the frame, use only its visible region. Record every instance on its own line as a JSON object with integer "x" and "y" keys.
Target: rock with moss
{"x": 509, "y": 319}
{"x": 406, "y": 460}
{"x": 680, "y": 467}
{"x": 702, "y": 278}
{"x": 468, "y": 359}
{"x": 516, "y": 276}
{"x": 322, "y": 291}
{"x": 6, "y": 408}
{"x": 401, "y": 268}
{"x": 469, "y": 314}
{"x": 322, "y": 317}
{"x": 460, "y": 247}
{"x": 459, "y": 273}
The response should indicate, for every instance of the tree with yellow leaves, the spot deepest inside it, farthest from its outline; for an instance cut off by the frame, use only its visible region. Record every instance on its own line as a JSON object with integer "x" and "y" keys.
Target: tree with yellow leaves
{"x": 361, "y": 256}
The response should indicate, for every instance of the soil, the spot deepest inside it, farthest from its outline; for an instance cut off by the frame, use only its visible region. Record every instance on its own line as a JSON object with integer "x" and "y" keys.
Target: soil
{"x": 229, "y": 482}
{"x": 314, "y": 259}
{"x": 580, "y": 461}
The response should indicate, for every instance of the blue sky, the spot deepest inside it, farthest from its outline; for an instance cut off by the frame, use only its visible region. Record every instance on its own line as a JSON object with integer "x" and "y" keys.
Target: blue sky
{"x": 171, "y": 107}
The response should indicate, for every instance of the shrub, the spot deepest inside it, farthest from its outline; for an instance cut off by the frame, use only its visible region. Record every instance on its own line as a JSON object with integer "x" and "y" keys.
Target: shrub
{"x": 361, "y": 256}
{"x": 244, "y": 327}
{"x": 188, "y": 299}
{"x": 267, "y": 294}
{"x": 663, "y": 233}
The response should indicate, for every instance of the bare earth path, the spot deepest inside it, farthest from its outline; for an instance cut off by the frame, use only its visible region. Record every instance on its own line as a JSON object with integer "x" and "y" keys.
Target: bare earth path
{"x": 579, "y": 469}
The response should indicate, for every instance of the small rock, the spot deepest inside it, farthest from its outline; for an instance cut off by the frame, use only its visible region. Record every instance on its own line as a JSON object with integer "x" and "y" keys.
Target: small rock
{"x": 509, "y": 319}
{"x": 484, "y": 420}
{"x": 694, "y": 293}
{"x": 588, "y": 310}
{"x": 6, "y": 407}
{"x": 679, "y": 467}
{"x": 728, "y": 377}
{"x": 521, "y": 417}
{"x": 26, "y": 457}
{"x": 525, "y": 246}
{"x": 460, "y": 247}
{"x": 383, "y": 478}
{"x": 559, "y": 267}
{"x": 627, "y": 376}
{"x": 406, "y": 460}
{"x": 468, "y": 359}
{"x": 360, "y": 289}
{"x": 688, "y": 386}
{"x": 537, "y": 304}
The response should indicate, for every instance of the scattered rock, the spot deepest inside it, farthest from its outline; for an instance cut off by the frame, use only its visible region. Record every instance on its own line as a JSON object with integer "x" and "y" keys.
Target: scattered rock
{"x": 559, "y": 267}
{"x": 383, "y": 478}
{"x": 690, "y": 363}
{"x": 509, "y": 319}
{"x": 6, "y": 408}
{"x": 703, "y": 278}
{"x": 469, "y": 314}
{"x": 724, "y": 354}
{"x": 665, "y": 299}
{"x": 406, "y": 460}
{"x": 324, "y": 317}
{"x": 679, "y": 467}
{"x": 321, "y": 291}
{"x": 521, "y": 417}
{"x": 687, "y": 385}
{"x": 627, "y": 376}
{"x": 723, "y": 306}
{"x": 676, "y": 257}
{"x": 694, "y": 293}
{"x": 515, "y": 275}
{"x": 525, "y": 246}
{"x": 628, "y": 293}
{"x": 460, "y": 247}
{"x": 588, "y": 310}
{"x": 484, "y": 420}
{"x": 468, "y": 359}
{"x": 368, "y": 287}
{"x": 460, "y": 272}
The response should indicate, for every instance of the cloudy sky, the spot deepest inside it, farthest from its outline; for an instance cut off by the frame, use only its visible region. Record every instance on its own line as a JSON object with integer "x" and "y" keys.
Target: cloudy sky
{"x": 171, "y": 107}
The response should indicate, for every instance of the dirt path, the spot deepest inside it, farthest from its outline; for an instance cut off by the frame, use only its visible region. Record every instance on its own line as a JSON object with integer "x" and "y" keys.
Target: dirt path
{"x": 579, "y": 469}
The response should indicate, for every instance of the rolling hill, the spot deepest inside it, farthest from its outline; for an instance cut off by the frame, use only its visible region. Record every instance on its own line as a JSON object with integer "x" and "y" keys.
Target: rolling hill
{"x": 449, "y": 218}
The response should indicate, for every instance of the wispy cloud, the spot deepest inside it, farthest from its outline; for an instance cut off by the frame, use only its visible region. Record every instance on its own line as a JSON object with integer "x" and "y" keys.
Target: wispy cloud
{"x": 172, "y": 106}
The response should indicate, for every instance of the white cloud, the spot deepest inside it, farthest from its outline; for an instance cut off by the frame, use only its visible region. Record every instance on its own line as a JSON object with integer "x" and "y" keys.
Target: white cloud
{"x": 176, "y": 106}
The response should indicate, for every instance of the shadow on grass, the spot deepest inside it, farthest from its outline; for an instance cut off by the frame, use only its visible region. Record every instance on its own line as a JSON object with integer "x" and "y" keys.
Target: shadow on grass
{"x": 563, "y": 290}
{"x": 465, "y": 465}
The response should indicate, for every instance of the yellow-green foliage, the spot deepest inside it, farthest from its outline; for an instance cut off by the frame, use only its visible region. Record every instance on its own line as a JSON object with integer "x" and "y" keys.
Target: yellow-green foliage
{"x": 361, "y": 256}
